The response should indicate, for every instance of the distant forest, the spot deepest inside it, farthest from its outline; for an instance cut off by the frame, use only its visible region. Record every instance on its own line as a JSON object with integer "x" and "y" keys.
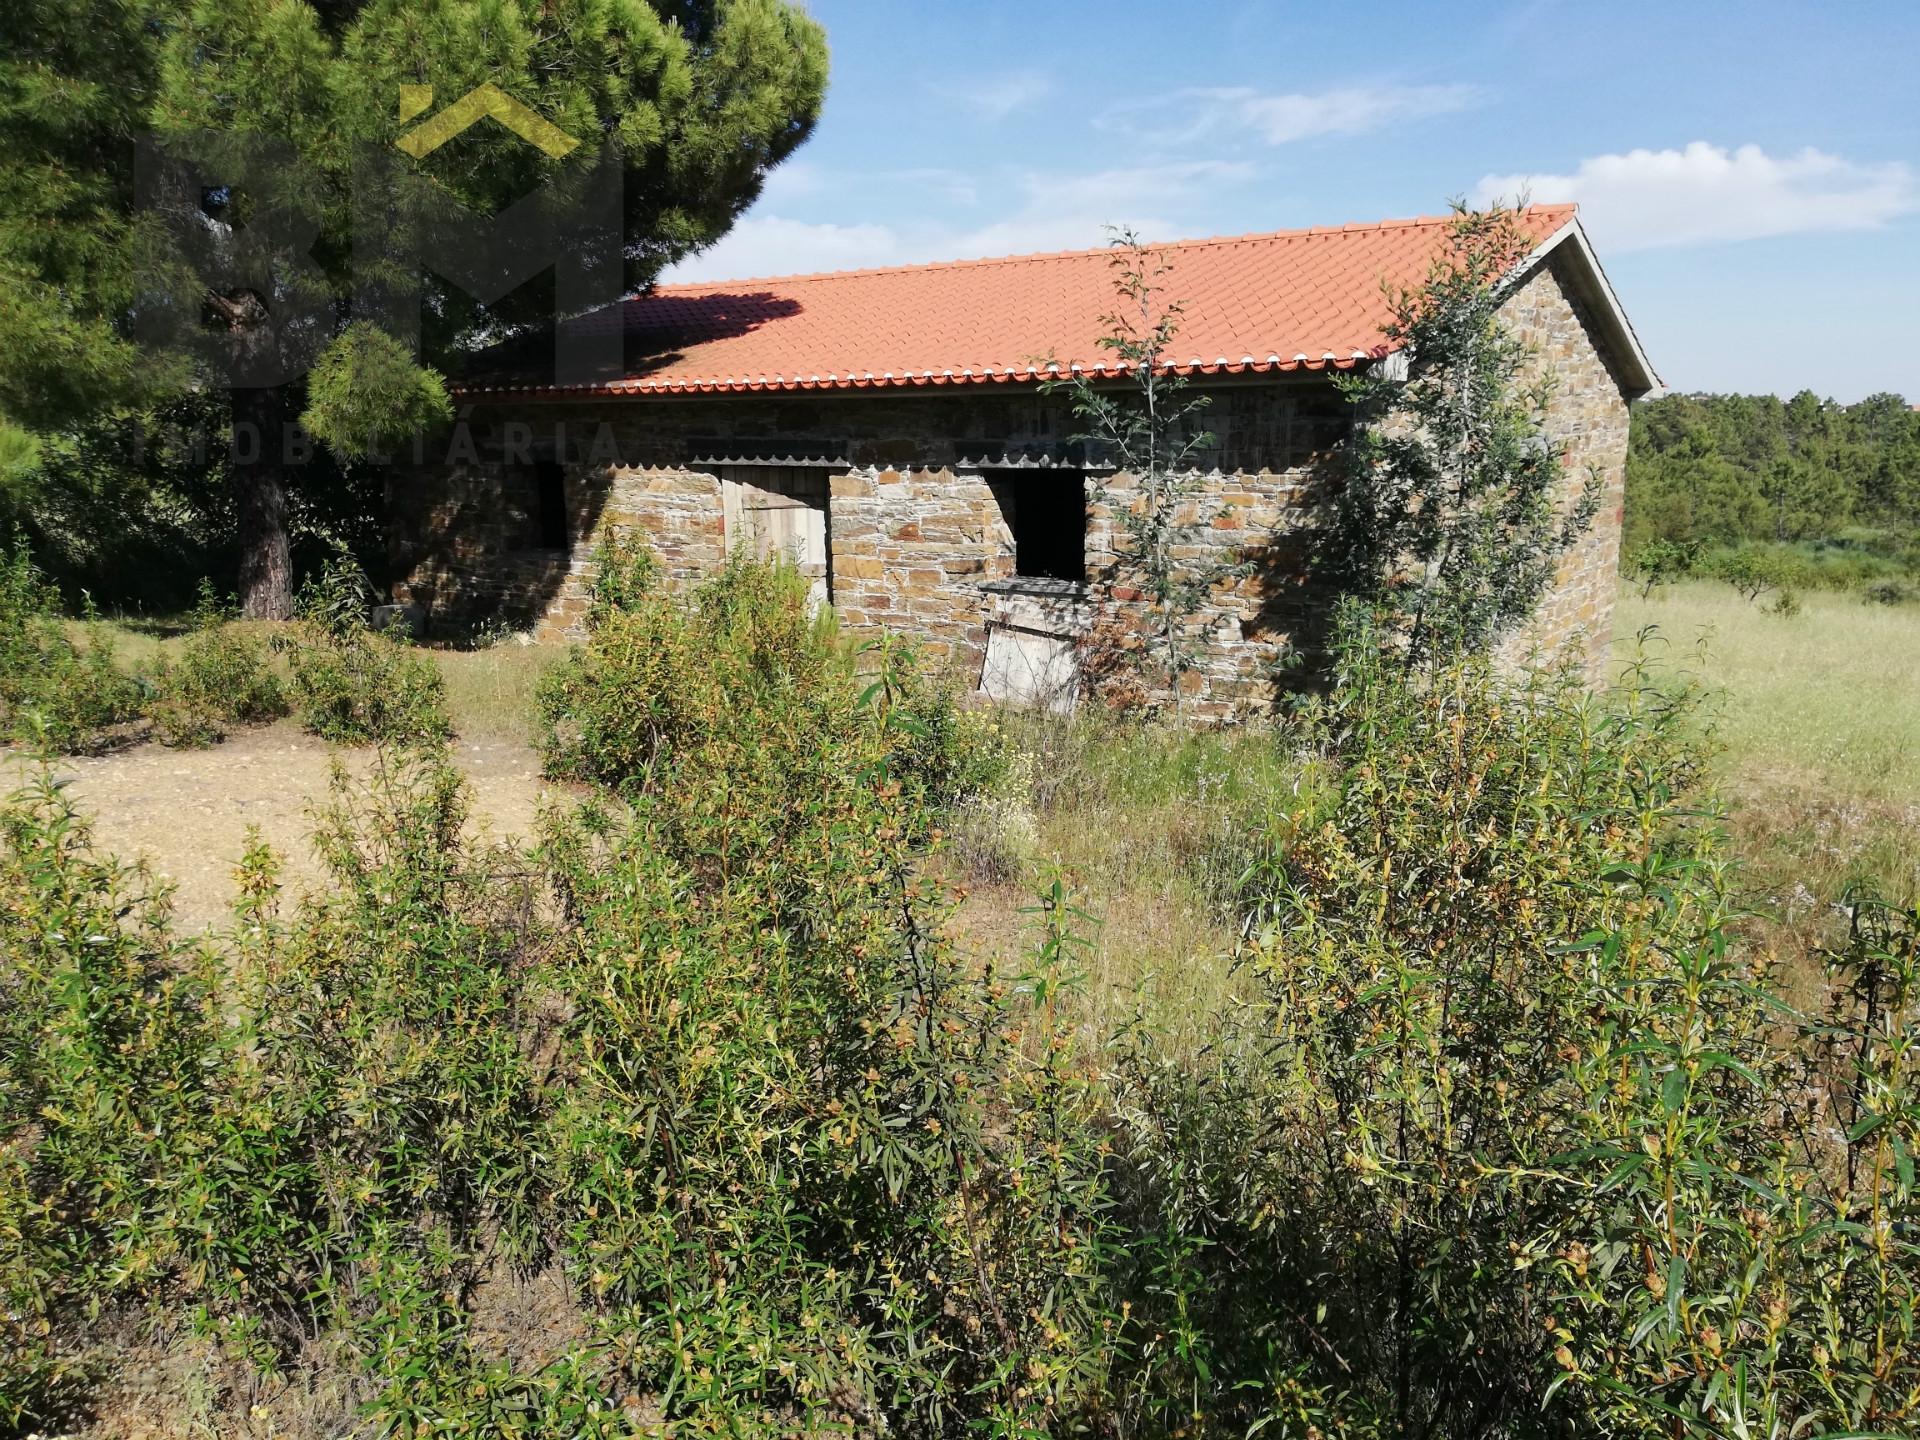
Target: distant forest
{"x": 1831, "y": 491}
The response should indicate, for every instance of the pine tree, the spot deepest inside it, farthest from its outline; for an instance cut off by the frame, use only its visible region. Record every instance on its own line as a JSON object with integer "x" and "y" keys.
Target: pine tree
{"x": 1727, "y": 469}
{"x": 702, "y": 96}
{"x": 76, "y": 83}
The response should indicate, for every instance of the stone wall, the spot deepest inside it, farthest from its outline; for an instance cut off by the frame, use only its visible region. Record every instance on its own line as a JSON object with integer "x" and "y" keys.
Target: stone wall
{"x": 910, "y": 549}
{"x": 916, "y": 523}
{"x": 1587, "y": 415}
{"x": 461, "y": 538}
{"x": 916, "y": 516}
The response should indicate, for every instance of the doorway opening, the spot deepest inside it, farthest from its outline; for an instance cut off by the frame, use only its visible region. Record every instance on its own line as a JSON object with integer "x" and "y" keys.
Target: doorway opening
{"x": 781, "y": 510}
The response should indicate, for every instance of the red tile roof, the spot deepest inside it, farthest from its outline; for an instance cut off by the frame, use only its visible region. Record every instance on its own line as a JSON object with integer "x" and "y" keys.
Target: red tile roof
{"x": 1291, "y": 300}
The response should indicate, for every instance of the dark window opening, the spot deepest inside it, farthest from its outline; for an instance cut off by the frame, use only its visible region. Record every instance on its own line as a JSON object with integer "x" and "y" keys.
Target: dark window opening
{"x": 1047, "y": 512}
{"x": 550, "y": 530}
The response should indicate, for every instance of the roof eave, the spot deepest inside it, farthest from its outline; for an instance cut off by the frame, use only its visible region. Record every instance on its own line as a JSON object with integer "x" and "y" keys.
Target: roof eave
{"x": 852, "y": 383}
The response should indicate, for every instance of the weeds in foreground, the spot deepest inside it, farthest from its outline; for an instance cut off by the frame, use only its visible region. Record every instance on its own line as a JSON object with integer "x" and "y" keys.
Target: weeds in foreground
{"x": 1509, "y": 1137}
{"x": 1515, "y": 1138}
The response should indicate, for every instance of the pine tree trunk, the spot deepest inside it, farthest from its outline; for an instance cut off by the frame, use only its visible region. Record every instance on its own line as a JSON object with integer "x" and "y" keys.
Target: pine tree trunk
{"x": 258, "y": 472}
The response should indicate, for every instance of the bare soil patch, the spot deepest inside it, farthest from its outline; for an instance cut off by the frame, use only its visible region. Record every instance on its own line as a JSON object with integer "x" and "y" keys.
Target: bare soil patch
{"x": 188, "y": 811}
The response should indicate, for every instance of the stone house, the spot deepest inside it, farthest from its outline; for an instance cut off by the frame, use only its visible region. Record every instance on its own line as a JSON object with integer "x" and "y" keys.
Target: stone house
{"x": 885, "y": 429}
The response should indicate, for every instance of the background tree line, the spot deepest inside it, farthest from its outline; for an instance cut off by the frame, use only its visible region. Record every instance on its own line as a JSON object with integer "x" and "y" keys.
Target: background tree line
{"x": 1831, "y": 492}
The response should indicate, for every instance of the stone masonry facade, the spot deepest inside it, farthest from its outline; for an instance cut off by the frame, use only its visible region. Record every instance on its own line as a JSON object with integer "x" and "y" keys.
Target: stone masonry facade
{"x": 1587, "y": 415}
{"x": 921, "y": 485}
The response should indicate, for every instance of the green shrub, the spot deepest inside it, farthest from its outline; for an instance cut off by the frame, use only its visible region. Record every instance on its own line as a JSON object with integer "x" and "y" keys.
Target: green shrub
{"x": 1333, "y": 1208}
{"x": 948, "y": 752}
{"x": 1519, "y": 1140}
{"x": 365, "y": 689}
{"x": 351, "y": 685}
{"x": 1750, "y": 570}
{"x": 29, "y": 615}
{"x": 786, "y": 1051}
{"x": 1887, "y": 592}
{"x": 222, "y": 678}
{"x": 1853, "y": 561}
{"x": 664, "y": 679}
{"x": 340, "y": 599}
{"x": 54, "y": 695}
{"x": 625, "y": 571}
{"x": 1739, "y": 1252}
{"x": 299, "y": 1137}
{"x": 105, "y": 1021}
{"x": 666, "y": 687}
{"x": 1511, "y": 1138}
{"x": 798, "y": 1166}
{"x": 1661, "y": 562}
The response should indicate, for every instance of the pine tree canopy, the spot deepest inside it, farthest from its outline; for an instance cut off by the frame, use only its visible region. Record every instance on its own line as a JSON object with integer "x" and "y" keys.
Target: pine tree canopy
{"x": 700, "y": 98}
{"x": 76, "y": 80}
{"x": 1725, "y": 470}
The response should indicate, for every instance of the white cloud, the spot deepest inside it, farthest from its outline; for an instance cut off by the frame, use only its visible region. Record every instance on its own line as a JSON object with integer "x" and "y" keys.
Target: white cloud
{"x": 1186, "y": 116}
{"x": 1072, "y": 212}
{"x": 1048, "y": 212}
{"x": 999, "y": 97}
{"x": 764, "y": 245}
{"x": 1707, "y": 194}
{"x": 1119, "y": 192}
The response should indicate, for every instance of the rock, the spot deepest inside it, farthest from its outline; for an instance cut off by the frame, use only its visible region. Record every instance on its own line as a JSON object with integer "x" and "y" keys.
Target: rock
{"x": 409, "y": 619}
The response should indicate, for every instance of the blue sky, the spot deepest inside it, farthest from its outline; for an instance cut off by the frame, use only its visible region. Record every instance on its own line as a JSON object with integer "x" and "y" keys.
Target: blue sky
{"x": 1749, "y": 173}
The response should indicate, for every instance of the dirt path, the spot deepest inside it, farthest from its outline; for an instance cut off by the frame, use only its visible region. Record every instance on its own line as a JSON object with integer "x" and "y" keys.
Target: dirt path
{"x": 188, "y": 811}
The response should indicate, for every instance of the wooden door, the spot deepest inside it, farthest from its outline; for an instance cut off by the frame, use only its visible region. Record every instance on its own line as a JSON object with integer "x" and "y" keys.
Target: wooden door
{"x": 778, "y": 510}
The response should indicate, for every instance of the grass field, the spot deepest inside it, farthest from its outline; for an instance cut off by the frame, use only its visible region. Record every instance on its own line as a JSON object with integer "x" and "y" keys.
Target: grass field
{"x": 1148, "y": 830}
{"x": 1818, "y": 720}
{"x": 489, "y": 692}
{"x": 1830, "y": 696}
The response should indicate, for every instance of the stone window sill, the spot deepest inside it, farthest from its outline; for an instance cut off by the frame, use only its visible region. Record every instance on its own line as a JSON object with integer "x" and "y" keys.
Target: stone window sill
{"x": 1040, "y": 586}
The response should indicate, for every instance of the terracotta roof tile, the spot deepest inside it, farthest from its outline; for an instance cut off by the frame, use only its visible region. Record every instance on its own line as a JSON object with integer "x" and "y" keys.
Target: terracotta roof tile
{"x": 1290, "y": 300}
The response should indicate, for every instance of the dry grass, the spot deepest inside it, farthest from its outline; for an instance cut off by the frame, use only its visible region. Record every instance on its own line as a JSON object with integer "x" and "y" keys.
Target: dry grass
{"x": 1818, "y": 717}
{"x": 1149, "y": 830}
{"x": 137, "y": 644}
{"x": 490, "y": 691}
{"x": 1830, "y": 696}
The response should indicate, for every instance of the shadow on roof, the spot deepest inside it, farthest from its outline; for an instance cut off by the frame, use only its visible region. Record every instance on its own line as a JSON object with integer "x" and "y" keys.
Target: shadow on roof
{"x": 657, "y": 331}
